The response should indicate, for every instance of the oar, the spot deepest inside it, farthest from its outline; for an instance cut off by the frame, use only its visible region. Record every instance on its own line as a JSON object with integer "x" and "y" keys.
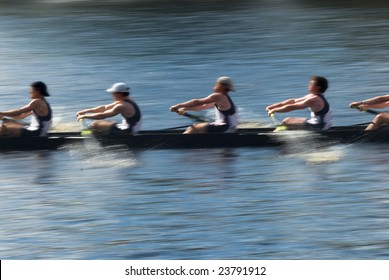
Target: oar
{"x": 279, "y": 125}
{"x": 370, "y": 111}
{"x": 191, "y": 116}
{"x": 176, "y": 127}
{"x": 274, "y": 119}
{"x": 84, "y": 131}
{"x": 359, "y": 124}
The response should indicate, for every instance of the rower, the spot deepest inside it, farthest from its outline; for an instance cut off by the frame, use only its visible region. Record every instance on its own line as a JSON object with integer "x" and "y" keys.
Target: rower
{"x": 321, "y": 116}
{"x": 40, "y": 110}
{"x": 377, "y": 102}
{"x": 123, "y": 105}
{"x": 225, "y": 110}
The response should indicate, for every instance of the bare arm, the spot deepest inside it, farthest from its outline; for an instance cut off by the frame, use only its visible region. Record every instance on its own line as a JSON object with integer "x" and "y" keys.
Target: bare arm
{"x": 19, "y": 113}
{"x": 201, "y": 107}
{"x": 196, "y": 104}
{"x": 302, "y": 104}
{"x": 378, "y": 106}
{"x": 98, "y": 109}
{"x": 108, "y": 113}
{"x": 375, "y": 102}
{"x": 22, "y": 116}
{"x": 281, "y": 104}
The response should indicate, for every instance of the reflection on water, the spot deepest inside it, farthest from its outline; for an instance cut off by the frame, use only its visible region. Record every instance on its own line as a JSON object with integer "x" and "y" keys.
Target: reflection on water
{"x": 176, "y": 205}
{"x": 302, "y": 202}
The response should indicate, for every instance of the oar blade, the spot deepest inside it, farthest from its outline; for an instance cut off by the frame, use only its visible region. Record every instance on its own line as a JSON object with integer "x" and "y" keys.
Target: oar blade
{"x": 86, "y": 132}
{"x": 281, "y": 128}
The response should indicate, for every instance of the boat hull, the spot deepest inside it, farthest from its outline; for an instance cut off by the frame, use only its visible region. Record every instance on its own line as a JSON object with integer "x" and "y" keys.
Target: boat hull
{"x": 194, "y": 141}
{"x": 173, "y": 139}
{"x": 260, "y": 137}
{"x": 53, "y": 142}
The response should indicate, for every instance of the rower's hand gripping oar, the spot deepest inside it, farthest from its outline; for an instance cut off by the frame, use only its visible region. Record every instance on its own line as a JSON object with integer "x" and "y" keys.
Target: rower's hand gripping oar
{"x": 191, "y": 116}
{"x": 370, "y": 111}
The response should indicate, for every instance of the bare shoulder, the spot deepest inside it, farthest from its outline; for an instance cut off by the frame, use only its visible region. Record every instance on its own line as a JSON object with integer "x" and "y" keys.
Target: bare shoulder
{"x": 36, "y": 103}
{"x": 216, "y": 96}
{"x": 313, "y": 98}
{"x": 314, "y": 101}
{"x": 111, "y": 105}
{"x": 117, "y": 105}
{"x": 304, "y": 98}
{"x": 122, "y": 107}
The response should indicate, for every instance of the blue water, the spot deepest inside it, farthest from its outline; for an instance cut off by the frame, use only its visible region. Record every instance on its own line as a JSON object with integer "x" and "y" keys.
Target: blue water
{"x": 87, "y": 202}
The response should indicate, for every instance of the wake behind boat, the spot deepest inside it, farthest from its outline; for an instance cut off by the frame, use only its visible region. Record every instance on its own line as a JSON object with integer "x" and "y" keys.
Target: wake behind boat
{"x": 174, "y": 139}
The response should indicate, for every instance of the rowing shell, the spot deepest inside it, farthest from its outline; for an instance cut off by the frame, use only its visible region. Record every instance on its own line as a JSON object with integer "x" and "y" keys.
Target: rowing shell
{"x": 249, "y": 137}
{"x": 52, "y": 142}
{"x": 174, "y": 139}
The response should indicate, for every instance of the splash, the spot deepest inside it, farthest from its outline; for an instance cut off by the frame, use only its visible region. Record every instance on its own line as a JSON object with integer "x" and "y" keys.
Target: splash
{"x": 65, "y": 127}
{"x": 251, "y": 124}
{"x": 308, "y": 146}
{"x": 329, "y": 155}
{"x": 93, "y": 156}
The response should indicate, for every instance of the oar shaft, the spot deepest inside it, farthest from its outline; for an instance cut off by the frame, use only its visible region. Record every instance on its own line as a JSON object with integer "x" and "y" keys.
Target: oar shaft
{"x": 197, "y": 118}
{"x": 278, "y": 124}
{"x": 374, "y": 112}
{"x": 84, "y": 131}
{"x": 194, "y": 117}
{"x": 275, "y": 120}
{"x": 370, "y": 111}
{"x": 176, "y": 127}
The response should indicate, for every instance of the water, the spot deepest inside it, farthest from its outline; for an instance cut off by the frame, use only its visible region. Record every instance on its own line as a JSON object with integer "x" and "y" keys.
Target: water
{"x": 297, "y": 203}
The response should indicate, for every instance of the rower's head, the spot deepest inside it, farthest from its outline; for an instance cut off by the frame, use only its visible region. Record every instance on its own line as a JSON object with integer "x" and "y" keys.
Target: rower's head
{"x": 38, "y": 89}
{"x": 318, "y": 85}
{"x": 120, "y": 89}
{"x": 224, "y": 84}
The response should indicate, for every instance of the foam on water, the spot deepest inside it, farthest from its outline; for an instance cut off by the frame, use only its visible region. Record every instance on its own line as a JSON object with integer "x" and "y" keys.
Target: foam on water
{"x": 328, "y": 155}
{"x": 59, "y": 126}
{"x": 92, "y": 156}
{"x": 305, "y": 145}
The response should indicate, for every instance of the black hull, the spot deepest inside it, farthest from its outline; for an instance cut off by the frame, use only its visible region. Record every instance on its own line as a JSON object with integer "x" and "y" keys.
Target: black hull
{"x": 174, "y": 139}
{"x": 190, "y": 141}
{"x": 263, "y": 137}
{"x": 40, "y": 143}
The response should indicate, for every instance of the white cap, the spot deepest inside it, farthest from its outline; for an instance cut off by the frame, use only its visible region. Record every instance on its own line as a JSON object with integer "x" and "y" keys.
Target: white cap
{"x": 227, "y": 82}
{"x": 119, "y": 87}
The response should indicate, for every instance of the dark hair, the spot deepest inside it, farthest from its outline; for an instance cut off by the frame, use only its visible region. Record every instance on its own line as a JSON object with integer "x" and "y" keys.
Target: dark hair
{"x": 320, "y": 82}
{"x": 123, "y": 93}
{"x": 41, "y": 87}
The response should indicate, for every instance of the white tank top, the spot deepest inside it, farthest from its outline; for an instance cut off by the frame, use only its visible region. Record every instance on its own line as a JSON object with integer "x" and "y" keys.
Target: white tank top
{"x": 228, "y": 117}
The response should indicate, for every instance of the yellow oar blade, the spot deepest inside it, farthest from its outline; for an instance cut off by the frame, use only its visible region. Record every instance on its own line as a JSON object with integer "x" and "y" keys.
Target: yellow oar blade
{"x": 86, "y": 132}
{"x": 281, "y": 128}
